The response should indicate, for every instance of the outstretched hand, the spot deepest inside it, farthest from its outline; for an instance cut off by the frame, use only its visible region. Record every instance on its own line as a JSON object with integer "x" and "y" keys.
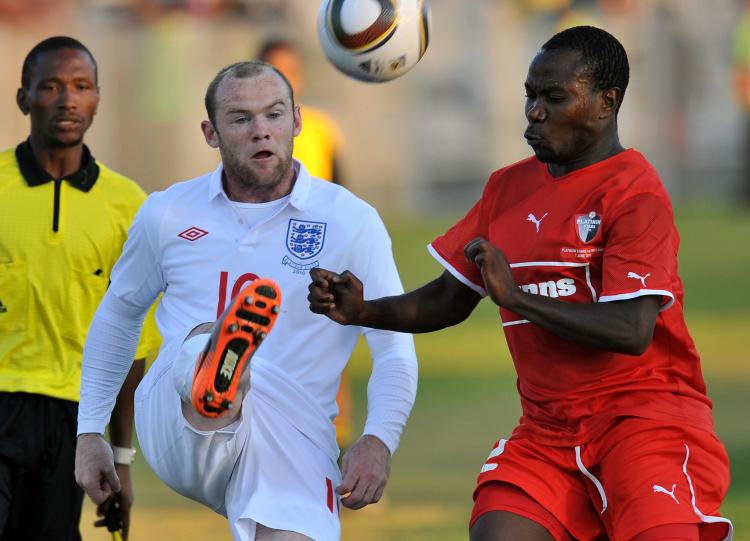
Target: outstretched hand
{"x": 338, "y": 296}
{"x": 496, "y": 273}
{"x": 365, "y": 469}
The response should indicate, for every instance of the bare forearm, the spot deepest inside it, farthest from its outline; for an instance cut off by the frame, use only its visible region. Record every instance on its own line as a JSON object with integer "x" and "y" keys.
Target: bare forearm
{"x": 623, "y": 327}
{"x": 443, "y": 302}
{"x": 121, "y": 423}
{"x": 434, "y": 306}
{"x": 414, "y": 312}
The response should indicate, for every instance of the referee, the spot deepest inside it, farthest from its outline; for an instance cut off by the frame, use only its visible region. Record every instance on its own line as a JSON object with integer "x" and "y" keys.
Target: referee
{"x": 63, "y": 222}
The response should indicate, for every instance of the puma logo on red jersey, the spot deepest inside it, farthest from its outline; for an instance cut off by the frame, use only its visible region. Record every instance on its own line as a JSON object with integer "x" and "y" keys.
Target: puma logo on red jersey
{"x": 531, "y": 218}
{"x": 638, "y": 277}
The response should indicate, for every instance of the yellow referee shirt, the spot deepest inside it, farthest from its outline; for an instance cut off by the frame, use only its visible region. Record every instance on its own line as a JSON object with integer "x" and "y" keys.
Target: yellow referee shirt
{"x": 59, "y": 240}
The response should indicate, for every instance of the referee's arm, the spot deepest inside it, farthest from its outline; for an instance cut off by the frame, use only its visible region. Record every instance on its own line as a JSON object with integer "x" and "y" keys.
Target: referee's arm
{"x": 121, "y": 423}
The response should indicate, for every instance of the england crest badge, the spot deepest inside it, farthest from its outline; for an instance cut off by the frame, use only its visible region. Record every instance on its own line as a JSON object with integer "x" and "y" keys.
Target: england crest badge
{"x": 305, "y": 239}
{"x": 588, "y": 226}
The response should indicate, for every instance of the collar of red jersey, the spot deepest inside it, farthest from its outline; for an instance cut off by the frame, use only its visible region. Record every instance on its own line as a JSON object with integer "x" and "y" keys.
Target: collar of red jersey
{"x": 300, "y": 191}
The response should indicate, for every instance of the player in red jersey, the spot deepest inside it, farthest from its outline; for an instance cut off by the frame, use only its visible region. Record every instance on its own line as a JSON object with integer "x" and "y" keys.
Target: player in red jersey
{"x": 578, "y": 248}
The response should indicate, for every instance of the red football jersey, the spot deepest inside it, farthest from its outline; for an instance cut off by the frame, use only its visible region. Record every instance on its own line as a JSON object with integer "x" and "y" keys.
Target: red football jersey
{"x": 603, "y": 233}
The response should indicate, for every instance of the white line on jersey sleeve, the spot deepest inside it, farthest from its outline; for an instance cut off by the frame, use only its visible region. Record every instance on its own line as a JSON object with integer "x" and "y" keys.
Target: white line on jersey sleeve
{"x": 641, "y": 293}
{"x": 548, "y": 264}
{"x": 516, "y": 322}
{"x": 457, "y": 275}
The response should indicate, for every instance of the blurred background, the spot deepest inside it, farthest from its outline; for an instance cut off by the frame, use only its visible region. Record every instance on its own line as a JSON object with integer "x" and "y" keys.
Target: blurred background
{"x": 428, "y": 140}
{"x": 420, "y": 149}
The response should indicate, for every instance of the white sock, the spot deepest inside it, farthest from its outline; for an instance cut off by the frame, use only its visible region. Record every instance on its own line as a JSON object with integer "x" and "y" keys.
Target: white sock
{"x": 183, "y": 368}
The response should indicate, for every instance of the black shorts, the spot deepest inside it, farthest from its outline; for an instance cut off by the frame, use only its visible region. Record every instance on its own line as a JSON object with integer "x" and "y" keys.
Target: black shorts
{"x": 39, "y": 498}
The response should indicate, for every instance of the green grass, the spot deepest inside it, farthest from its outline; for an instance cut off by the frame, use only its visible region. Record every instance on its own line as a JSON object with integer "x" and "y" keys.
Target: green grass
{"x": 714, "y": 259}
{"x": 467, "y": 396}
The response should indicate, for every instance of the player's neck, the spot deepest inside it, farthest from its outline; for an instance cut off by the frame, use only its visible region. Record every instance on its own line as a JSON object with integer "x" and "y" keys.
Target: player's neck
{"x": 59, "y": 162}
{"x": 602, "y": 149}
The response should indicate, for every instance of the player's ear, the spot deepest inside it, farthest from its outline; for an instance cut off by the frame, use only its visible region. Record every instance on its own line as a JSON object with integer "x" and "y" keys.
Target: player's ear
{"x": 610, "y": 100}
{"x": 98, "y": 95}
{"x": 211, "y": 135}
{"x": 22, "y": 100}
{"x": 297, "y": 116}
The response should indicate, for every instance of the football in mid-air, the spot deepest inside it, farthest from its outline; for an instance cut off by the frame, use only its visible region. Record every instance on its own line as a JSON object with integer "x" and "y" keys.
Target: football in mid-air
{"x": 374, "y": 40}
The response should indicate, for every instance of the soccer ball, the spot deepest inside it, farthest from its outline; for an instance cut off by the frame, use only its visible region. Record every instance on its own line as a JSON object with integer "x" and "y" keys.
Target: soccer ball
{"x": 374, "y": 40}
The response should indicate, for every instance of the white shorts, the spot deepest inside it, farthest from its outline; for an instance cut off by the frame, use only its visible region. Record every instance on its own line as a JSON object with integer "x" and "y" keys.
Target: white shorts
{"x": 260, "y": 469}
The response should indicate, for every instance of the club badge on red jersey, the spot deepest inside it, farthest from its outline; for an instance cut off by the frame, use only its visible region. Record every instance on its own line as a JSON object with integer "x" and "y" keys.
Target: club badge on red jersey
{"x": 588, "y": 226}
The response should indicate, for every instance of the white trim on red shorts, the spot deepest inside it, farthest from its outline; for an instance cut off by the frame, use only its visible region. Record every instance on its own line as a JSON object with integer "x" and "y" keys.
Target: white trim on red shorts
{"x": 592, "y": 477}
{"x": 708, "y": 519}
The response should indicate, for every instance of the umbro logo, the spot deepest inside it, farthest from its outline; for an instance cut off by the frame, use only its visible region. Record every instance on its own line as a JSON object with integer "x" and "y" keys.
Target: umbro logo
{"x": 638, "y": 277}
{"x": 531, "y": 218}
{"x": 192, "y": 234}
{"x": 662, "y": 490}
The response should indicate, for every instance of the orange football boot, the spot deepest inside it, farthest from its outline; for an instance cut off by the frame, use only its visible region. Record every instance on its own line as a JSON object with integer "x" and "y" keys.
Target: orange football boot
{"x": 235, "y": 337}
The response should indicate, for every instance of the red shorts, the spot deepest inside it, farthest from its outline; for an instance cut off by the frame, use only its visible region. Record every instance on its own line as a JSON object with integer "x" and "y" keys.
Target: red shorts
{"x": 638, "y": 475}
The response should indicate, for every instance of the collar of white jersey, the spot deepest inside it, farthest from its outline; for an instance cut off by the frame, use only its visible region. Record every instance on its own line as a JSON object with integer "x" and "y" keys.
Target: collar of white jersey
{"x": 300, "y": 195}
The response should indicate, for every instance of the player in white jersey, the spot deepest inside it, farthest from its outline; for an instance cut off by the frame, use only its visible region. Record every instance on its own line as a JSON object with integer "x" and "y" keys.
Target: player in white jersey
{"x": 269, "y": 465}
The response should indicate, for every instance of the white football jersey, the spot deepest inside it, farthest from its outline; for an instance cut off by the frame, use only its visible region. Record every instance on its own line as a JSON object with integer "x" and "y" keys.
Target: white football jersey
{"x": 192, "y": 244}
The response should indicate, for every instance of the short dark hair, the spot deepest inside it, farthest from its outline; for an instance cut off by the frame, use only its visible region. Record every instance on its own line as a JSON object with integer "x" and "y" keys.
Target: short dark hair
{"x": 274, "y": 44}
{"x": 52, "y": 44}
{"x": 604, "y": 58}
{"x": 240, "y": 70}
